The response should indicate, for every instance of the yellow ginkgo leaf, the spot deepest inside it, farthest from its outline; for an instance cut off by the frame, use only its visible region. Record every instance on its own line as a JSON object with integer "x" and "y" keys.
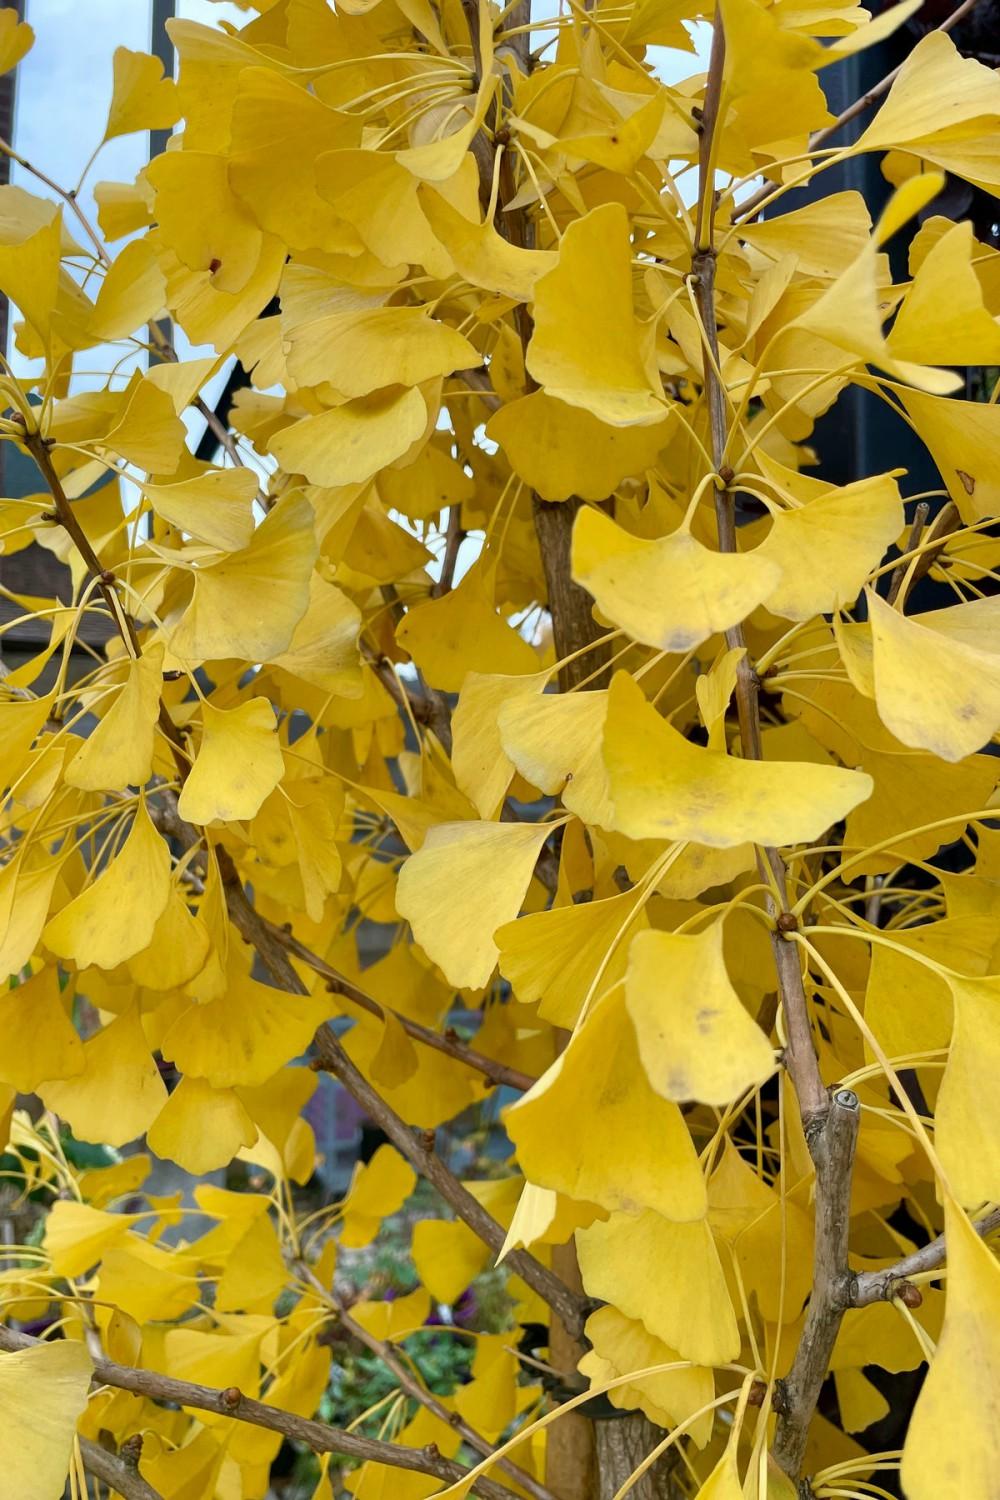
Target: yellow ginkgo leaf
{"x": 223, "y": 1358}
{"x": 29, "y": 268}
{"x": 482, "y": 770}
{"x": 148, "y": 432}
{"x": 238, "y": 764}
{"x": 362, "y": 351}
{"x": 177, "y": 950}
{"x": 952, "y": 1448}
{"x": 142, "y": 98}
{"x": 16, "y": 39}
{"x": 937, "y": 676}
{"x": 963, "y": 438}
{"x": 202, "y": 221}
{"x": 144, "y": 1283}
{"x": 826, "y": 548}
{"x": 39, "y": 1040}
{"x": 593, "y": 1129}
{"x": 562, "y": 450}
{"x": 689, "y": 1309}
{"x": 279, "y": 127}
{"x": 467, "y": 880}
{"x": 672, "y": 593}
{"x": 119, "y": 1093}
{"x": 119, "y": 752}
{"x": 77, "y": 1235}
{"x": 378, "y": 198}
{"x": 448, "y": 1256}
{"x": 25, "y": 895}
{"x": 132, "y": 293}
{"x": 619, "y": 1345}
{"x": 965, "y": 1134}
{"x": 586, "y": 348}
{"x": 543, "y": 1217}
{"x": 248, "y": 604}
{"x": 323, "y": 650}
{"x": 214, "y": 506}
{"x": 462, "y": 632}
{"x": 943, "y": 319}
{"x": 554, "y": 740}
{"x": 21, "y": 719}
{"x": 664, "y": 787}
{"x": 482, "y": 255}
{"x": 696, "y": 1039}
{"x": 724, "y": 1481}
{"x": 201, "y": 1128}
{"x": 556, "y": 956}
{"x": 351, "y": 443}
{"x": 379, "y": 1187}
{"x": 115, "y": 915}
{"x": 43, "y": 1391}
{"x": 936, "y": 108}
{"x": 245, "y": 1035}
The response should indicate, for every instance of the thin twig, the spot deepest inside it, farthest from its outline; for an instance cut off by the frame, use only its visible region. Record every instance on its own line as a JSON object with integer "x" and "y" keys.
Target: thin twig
{"x": 920, "y": 515}
{"x": 879, "y": 90}
{"x": 497, "y": 1072}
{"x": 422, "y": 1157}
{"x": 882, "y": 1286}
{"x": 871, "y": 96}
{"x": 408, "y": 1382}
{"x": 124, "y": 1478}
{"x": 319, "y": 1436}
{"x": 454, "y": 537}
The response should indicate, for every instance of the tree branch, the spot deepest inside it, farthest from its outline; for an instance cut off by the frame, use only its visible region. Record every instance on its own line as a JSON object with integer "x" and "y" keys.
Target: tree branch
{"x": 122, "y": 1477}
{"x": 319, "y": 1436}
{"x": 332, "y": 1057}
{"x": 882, "y": 1286}
{"x": 408, "y": 1382}
{"x": 830, "y": 1125}
{"x": 871, "y": 96}
{"x": 832, "y": 1149}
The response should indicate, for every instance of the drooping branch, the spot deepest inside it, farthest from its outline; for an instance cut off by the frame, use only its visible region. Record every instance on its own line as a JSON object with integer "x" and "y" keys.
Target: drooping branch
{"x": 231, "y": 1402}
{"x": 422, "y": 1157}
{"x": 882, "y": 1286}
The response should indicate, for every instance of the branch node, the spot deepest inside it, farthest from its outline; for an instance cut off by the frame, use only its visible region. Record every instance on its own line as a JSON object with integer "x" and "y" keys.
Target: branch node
{"x": 787, "y": 922}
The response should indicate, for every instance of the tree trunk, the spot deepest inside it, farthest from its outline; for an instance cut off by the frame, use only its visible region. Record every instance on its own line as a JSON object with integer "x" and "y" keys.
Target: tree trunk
{"x": 621, "y": 1447}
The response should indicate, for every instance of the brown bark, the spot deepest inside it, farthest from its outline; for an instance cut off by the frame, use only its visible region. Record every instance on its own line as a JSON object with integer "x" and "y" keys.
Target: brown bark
{"x": 621, "y": 1447}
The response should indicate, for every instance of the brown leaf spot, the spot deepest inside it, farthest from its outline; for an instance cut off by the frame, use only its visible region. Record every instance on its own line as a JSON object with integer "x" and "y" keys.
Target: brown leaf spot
{"x": 968, "y": 481}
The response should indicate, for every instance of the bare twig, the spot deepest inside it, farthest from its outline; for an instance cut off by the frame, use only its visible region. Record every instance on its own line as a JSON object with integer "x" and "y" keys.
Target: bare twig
{"x": 832, "y": 1149}
{"x": 423, "y": 1158}
{"x": 871, "y": 96}
{"x": 882, "y": 1286}
{"x": 124, "y": 1478}
{"x": 449, "y": 1045}
{"x": 319, "y": 1436}
{"x": 917, "y": 525}
{"x": 880, "y": 89}
{"x": 454, "y": 536}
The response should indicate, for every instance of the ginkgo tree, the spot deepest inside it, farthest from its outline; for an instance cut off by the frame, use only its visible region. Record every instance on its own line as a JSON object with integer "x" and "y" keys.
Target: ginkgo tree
{"x": 508, "y": 616}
